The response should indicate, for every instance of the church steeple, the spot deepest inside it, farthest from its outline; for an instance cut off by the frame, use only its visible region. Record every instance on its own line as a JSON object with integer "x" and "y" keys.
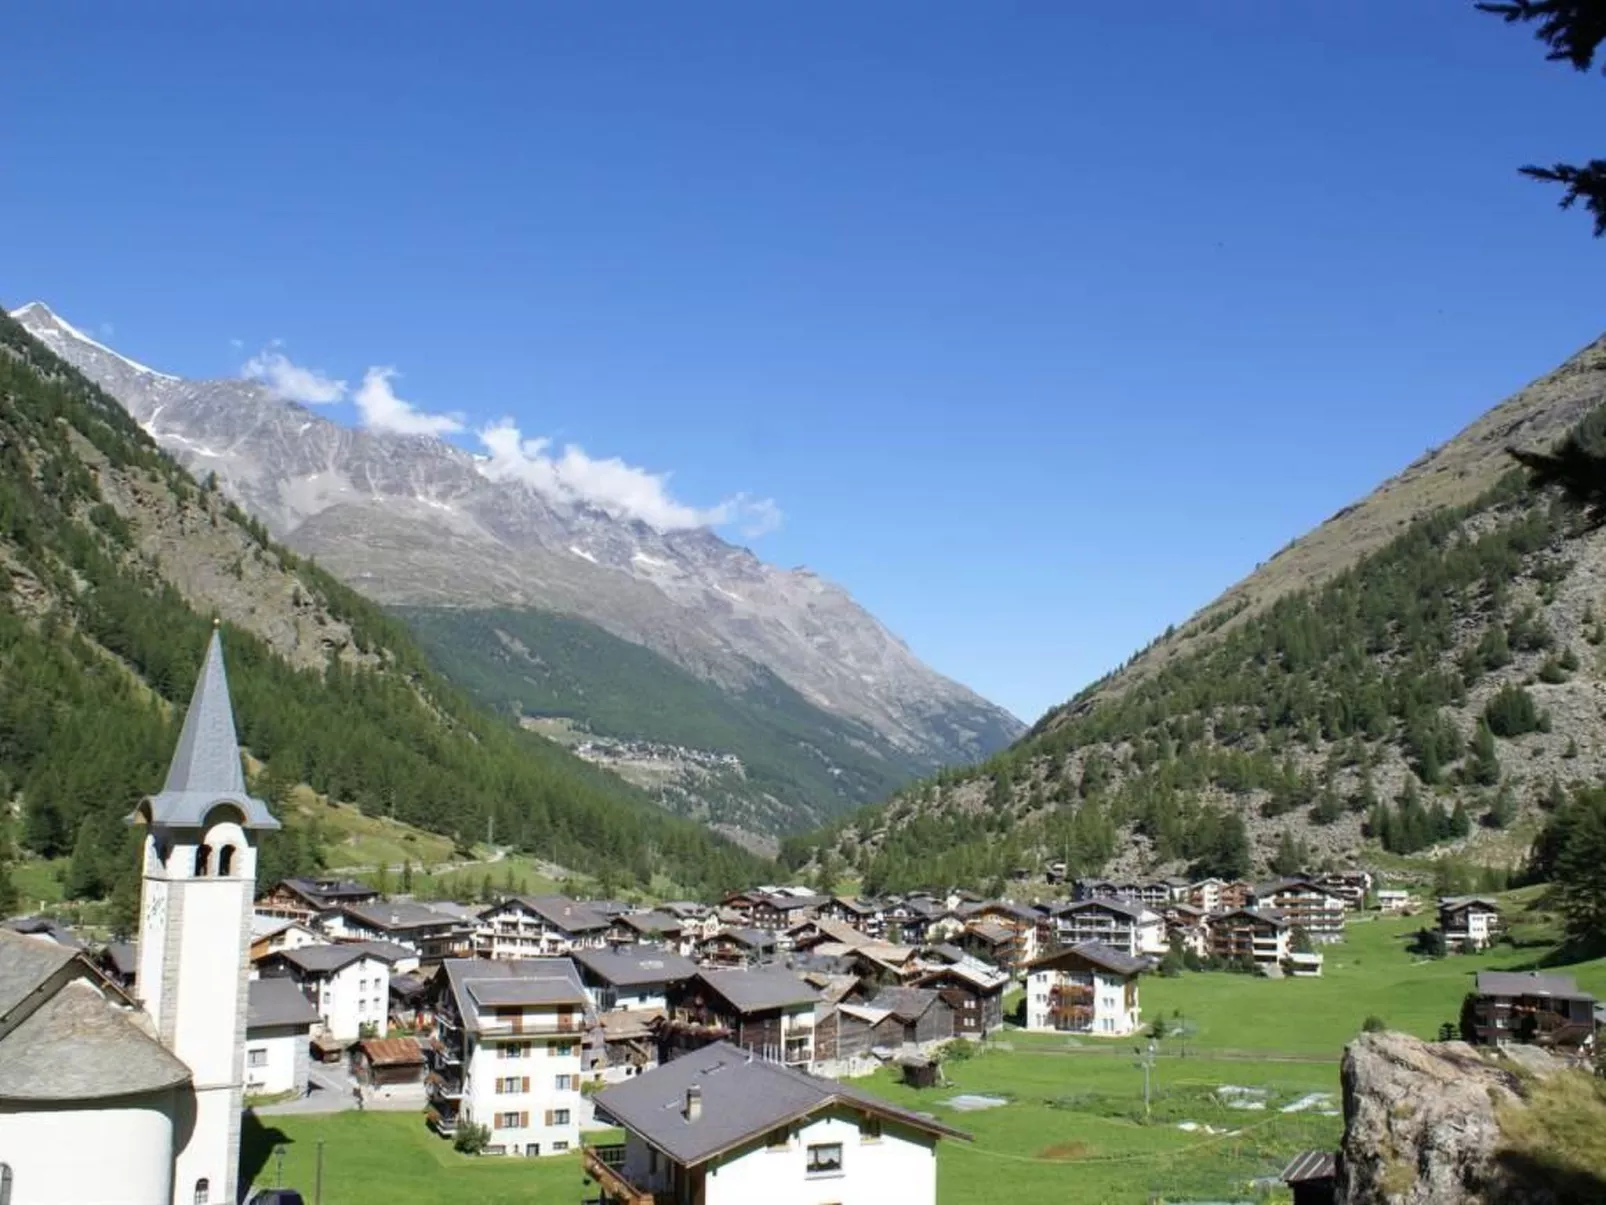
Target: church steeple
{"x": 205, "y": 769}
{"x": 199, "y": 880}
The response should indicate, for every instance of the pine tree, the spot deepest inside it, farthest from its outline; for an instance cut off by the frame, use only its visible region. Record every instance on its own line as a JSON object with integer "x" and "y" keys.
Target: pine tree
{"x": 407, "y": 876}
{"x": 1483, "y": 766}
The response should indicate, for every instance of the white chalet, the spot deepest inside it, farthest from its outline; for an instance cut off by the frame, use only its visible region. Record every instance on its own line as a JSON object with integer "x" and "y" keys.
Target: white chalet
{"x": 278, "y": 1025}
{"x": 1089, "y": 988}
{"x": 1468, "y": 922}
{"x": 1131, "y": 928}
{"x": 348, "y": 985}
{"x": 539, "y": 926}
{"x": 506, "y": 1052}
{"x": 721, "y": 1127}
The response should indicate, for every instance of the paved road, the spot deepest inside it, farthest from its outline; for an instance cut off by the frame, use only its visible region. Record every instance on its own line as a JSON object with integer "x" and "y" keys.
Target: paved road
{"x": 332, "y": 1093}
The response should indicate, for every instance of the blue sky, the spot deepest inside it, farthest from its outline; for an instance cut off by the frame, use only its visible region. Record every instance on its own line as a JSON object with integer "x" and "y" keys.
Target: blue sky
{"x": 1039, "y": 323}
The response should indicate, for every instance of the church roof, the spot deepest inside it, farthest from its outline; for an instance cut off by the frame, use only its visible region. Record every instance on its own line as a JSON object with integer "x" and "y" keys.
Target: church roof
{"x": 205, "y": 769}
{"x": 66, "y": 1033}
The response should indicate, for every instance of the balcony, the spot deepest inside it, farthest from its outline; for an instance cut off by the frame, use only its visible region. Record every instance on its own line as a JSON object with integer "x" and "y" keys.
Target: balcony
{"x": 443, "y": 1088}
{"x": 604, "y": 1165}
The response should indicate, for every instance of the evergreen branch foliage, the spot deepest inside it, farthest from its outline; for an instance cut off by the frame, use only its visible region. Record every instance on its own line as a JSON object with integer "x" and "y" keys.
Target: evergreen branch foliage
{"x": 1572, "y": 30}
{"x": 98, "y": 654}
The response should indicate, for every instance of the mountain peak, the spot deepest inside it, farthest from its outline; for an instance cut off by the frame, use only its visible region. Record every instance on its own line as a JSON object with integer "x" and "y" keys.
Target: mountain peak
{"x": 42, "y": 322}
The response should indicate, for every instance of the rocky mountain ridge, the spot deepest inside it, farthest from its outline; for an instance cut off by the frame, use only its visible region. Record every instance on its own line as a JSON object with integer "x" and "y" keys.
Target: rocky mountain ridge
{"x": 415, "y": 520}
{"x": 1424, "y": 672}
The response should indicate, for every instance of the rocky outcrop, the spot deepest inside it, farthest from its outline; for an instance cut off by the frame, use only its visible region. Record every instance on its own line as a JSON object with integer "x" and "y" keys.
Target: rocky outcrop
{"x": 1444, "y": 1123}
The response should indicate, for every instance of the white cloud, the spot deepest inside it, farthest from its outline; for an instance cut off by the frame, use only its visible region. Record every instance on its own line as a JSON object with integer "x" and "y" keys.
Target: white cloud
{"x": 237, "y": 344}
{"x": 382, "y": 410}
{"x": 623, "y": 490}
{"x": 310, "y": 386}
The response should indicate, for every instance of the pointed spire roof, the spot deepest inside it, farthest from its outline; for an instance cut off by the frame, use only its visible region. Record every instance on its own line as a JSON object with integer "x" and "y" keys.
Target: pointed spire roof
{"x": 205, "y": 769}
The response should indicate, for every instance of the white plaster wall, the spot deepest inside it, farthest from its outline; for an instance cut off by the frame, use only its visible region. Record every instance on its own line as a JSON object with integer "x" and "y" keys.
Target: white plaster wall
{"x": 901, "y": 1167}
{"x": 209, "y": 1149}
{"x": 281, "y": 1046}
{"x": 109, "y": 1152}
{"x": 212, "y": 949}
{"x": 344, "y": 1004}
{"x": 482, "y": 1102}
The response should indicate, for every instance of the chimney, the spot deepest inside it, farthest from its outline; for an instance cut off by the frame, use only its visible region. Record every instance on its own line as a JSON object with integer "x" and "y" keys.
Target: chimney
{"x": 694, "y": 1103}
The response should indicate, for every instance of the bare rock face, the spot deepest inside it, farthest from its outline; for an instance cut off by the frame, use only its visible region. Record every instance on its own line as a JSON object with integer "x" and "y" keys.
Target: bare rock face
{"x": 1422, "y": 1123}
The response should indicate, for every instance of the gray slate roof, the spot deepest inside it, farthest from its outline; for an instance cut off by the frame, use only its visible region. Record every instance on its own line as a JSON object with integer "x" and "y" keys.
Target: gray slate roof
{"x": 653, "y": 922}
{"x": 205, "y": 769}
{"x": 905, "y": 1003}
{"x": 324, "y": 960}
{"x": 123, "y": 957}
{"x": 466, "y": 977}
{"x": 79, "y": 1043}
{"x": 1529, "y": 983}
{"x": 759, "y": 989}
{"x": 1100, "y": 955}
{"x": 563, "y": 913}
{"x": 508, "y": 992}
{"x": 43, "y": 926}
{"x": 397, "y": 916}
{"x": 743, "y": 1098}
{"x": 273, "y": 1002}
{"x": 633, "y": 965}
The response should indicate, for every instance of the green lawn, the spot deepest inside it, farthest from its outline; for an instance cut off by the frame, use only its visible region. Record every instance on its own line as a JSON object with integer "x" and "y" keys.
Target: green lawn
{"x": 375, "y": 1158}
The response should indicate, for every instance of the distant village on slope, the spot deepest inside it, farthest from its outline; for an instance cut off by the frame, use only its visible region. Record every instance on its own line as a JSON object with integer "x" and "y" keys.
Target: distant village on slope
{"x": 716, "y": 1037}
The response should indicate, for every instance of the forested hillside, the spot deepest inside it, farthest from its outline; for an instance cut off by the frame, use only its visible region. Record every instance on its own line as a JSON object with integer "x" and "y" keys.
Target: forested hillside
{"x": 114, "y": 559}
{"x": 799, "y": 766}
{"x": 1445, "y": 686}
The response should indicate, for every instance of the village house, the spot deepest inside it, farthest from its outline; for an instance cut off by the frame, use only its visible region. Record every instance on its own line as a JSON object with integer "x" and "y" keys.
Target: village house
{"x": 631, "y": 978}
{"x": 724, "y": 1128}
{"x": 539, "y": 926}
{"x": 1019, "y": 924}
{"x": 649, "y": 927}
{"x": 432, "y": 934}
{"x": 974, "y": 990}
{"x": 735, "y": 948}
{"x": 1351, "y": 886}
{"x": 1152, "y": 893}
{"x": 1131, "y": 928}
{"x": 1468, "y": 922}
{"x": 1250, "y": 936}
{"x": 1090, "y": 988}
{"x": 278, "y": 1028}
{"x": 864, "y": 915}
{"x": 119, "y": 962}
{"x": 768, "y": 1011}
{"x": 306, "y": 899}
{"x": 895, "y": 1018}
{"x": 389, "y": 1067}
{"x": 783, "y": 909}
{"x": 505, "y": 1052}
{"x": 621, "y": 1044}
{"x": 1216, "y": 895}
{"x": 1187, "y": 927}
{"x": 1392, "y": 899}
{"x": 1318, "y": 910}
{"x": 1530, "y": 1008}
{"x": 270, "y": 934}
{"x": 347, "y": 984}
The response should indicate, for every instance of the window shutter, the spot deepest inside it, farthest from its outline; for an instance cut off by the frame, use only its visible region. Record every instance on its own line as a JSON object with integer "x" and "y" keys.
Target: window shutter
{"x": 526, "y": 1083}
{"x": 524, "y": 1121}
{"x": 549, "y": 1117}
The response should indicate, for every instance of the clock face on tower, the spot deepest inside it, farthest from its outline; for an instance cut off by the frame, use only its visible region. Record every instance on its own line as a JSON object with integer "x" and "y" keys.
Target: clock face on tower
{"x": 156, "y": 905}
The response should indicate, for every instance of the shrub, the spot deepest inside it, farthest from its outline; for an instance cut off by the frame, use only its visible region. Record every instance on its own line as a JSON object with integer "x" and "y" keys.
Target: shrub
{"x": 1373, "y": 1024}
{"x": 471, "y": 1138}
{"x": 1511, "y": 712}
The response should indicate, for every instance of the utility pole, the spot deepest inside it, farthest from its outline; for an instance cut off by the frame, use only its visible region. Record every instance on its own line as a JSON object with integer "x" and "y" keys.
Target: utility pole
{"x": 1147, "y": 1063}
{"x": 317, "y": 1180}
{"x": 278, "y": 1166}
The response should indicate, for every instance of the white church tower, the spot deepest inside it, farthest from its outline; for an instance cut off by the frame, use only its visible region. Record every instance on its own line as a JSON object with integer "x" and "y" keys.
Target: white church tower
{"x": 195, "y": 930}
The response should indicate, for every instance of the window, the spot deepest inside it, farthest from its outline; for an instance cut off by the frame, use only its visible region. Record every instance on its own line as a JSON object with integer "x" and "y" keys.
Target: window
{"x": 560, "y": 1146}
{"x": 532, "y": 1149}
{"x": 561, "y": 1050}
{"x": 825, "y": 1159}
{"x": 869, "y": 1129}
{"x": 203, "y": 1186}
{"x": 225, "y": 861}
{"x": 203, "y": 867}
{"x": 511, "y": 1085}
{"x": 560, "y": 1117}
{"x": 514, "y": 1050}
{"x": 5, "y": 1184}
{"x": 257, "y": 1057}
{"x": 512, "y": 1121}
{"x": 567, "y": 1083}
